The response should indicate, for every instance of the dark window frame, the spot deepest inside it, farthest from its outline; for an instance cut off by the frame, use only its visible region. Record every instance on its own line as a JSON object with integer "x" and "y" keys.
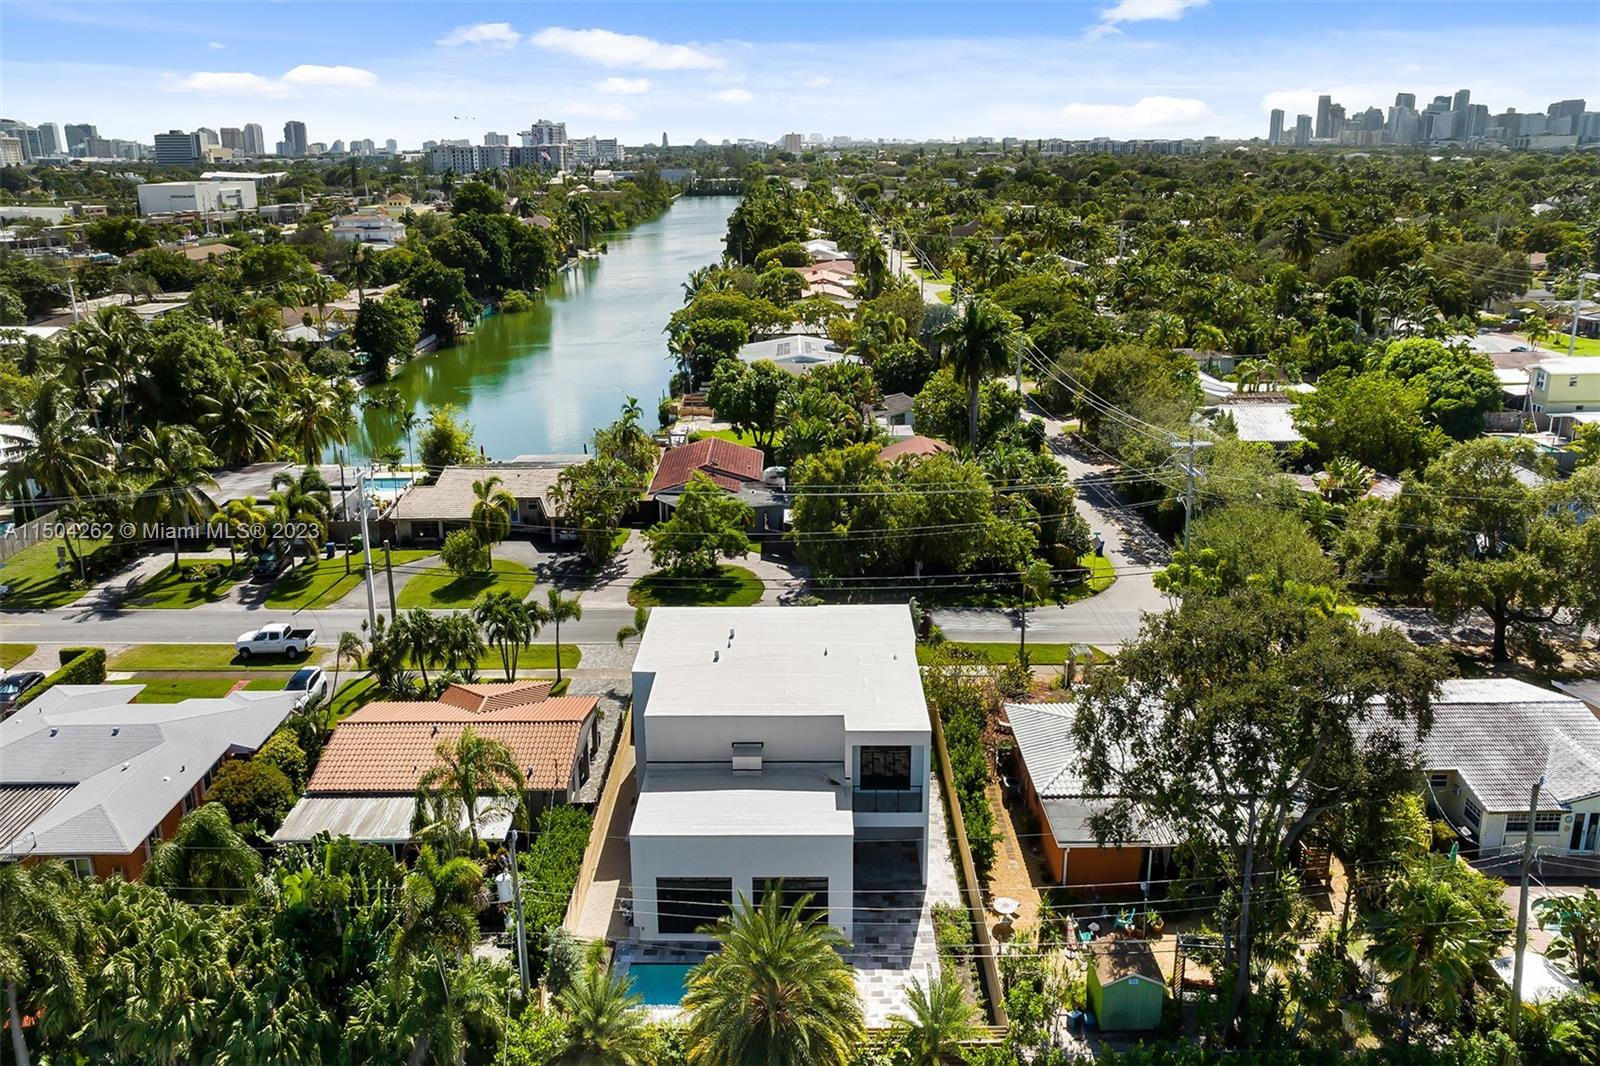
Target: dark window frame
{"x": 880, "y": 769}
{"x": 684, "y": 904}
{"x": 793, "y": 889}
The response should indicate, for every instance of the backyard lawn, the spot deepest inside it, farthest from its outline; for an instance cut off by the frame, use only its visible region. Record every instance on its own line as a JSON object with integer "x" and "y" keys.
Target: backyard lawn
{"x": 438, "y": 588}
{"x": 1002, "y": 652}
{"x": 202, "y": 657}
{"x": 34, "y": 580}
{"x": 730, "y": 586}
{"x": 12, "y": 654}
{"x": 174, "y": 590}
{"x": 175, "y": 690}
{"x": 1558, "y": 344}
{"x": 323, "y": 582}
{"x": 734, "y": 435}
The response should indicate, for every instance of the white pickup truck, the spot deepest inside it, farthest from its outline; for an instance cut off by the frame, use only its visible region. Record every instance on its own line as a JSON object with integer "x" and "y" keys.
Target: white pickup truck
{"x": 276, "y": 638}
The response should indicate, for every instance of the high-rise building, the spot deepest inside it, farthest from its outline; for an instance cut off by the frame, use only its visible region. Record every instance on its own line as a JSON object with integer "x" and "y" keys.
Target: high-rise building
{"x": 1370, "y": 120}
{"x": 596, "y": 151}
{"x": 10, "y": 151}
{"x": 664, "y": 144}
{"x": 208, "y": 137}
{"x": 50, "y": 137}
{"x": 176, "y": 148}
{"x": 1275, "y": 127}
{"x": 1561, "y": 117}
{"x": 1402, "y": 125}
{"x": 28, "y": 140}
{"x": 1406, "y": 100}
{"x": 793, "y": 143}
{"x": 255, "y": 141}
{"x": 1302, "y": 130}
{"x": 545, "y": 132}
{"x": 337, "y": 147}
{"x": 496, "y": 140}
{"x": 232, "y": 137}
{"x": 1477, "y": 121}
{"x": 1447, "y": 126}
{"x": 1335, "y": 121}
{"x": 391, "y": 146}
{"x": 78, "y": 134}
{"x": 1463, "y": 97}
{"x": 1324, "y": 106}
{"x": 294, "y": 136}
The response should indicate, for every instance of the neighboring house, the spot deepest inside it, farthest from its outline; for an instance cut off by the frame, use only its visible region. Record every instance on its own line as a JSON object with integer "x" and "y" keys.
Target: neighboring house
{"x": 738, "y": 468}
{"x": 204, "y": 253}
{"x": 913, "y": 449}
{"x": 829, "y": 270}
{"x": 90, "y": 777}
{"x": 772, "y": 743}
{"x": 1048, "y": 757}
{"x": 1564, "y": 384}
{"x": 895, "y": 413}
{"x": 821, "y": 250}
{"x": 365, "y": 783}
{"x": 426, "y": 513}
{"x": 797, "y": 353}
{"x": 1264, "y": 422}
{"x": 372, "y": 229}
{"x": 1491, "y": 740}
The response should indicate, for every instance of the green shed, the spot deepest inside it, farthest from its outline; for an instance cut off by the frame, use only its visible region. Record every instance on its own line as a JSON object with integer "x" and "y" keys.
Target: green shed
{"x": 1126, "y": 987}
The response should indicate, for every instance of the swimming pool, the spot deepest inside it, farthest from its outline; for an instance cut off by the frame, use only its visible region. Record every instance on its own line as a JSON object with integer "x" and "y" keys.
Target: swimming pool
{"x": 660, "y": 984}
{"x": 381, "y": 484}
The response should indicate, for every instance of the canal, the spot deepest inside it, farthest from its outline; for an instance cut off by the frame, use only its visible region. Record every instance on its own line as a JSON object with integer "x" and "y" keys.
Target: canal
{"x": 540, "y": 382}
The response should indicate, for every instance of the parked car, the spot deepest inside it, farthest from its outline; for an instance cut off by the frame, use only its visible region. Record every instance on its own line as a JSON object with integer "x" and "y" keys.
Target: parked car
{"x": 12, "y": 686}
{"x": 271, "y": 561}
{"x": 312, "y": 682}
{"x": 277, "y": 638}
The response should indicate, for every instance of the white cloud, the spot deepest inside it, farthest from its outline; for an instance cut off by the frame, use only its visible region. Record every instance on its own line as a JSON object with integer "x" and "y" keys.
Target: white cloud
{"x": 817, "y": 81}
{"x": 622, "y": 86}
{"x": 1148, "y": 10}
{"x": 610, "y": 49}
{"x": 493, "y": 34}
{"x": 215, "y": 46}
{"x": 733, "y": 96}
{"x": 241, "y": 82}
{"x": 1147, "y": 114}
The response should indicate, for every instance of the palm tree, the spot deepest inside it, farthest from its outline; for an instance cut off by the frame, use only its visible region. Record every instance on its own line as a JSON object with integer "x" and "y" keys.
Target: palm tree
{"x": 39, "y": 922}
{"x": 409, "y": 421}
{"x": 238, "y": 418}
{"x": 173, "y": 464}
{"x": 975, "y": 349}
{"x": 321, "y": 290}
{"x": 312, "y": 423}
{"x": 206, "y": 859}
{"x": 352, "y": 649}
{"x": 460, "y": 644}
{"x": 605, "y": 1025}
{"x": 439, "y": 905}
{"x": 505, "y": 623}
{"x": 641, "y": 619}
{"x": 941, "y": 1020}
{"x": 778, "y": 992}
{"x": 1345, "y": 479}
{"x": 583, "y": 214}
{"x": 1300, "y": 239}
{"x": 470, "y": 767}
{"x": 872, "y": 265}
{"x": 117, "y": 342}
{"x": 491, "y": 512}
{"x": 418, "y": 632}
{"x": 302, "y": 502}
{"x": 52, "y": 448}
{"x": 243, "y": 518}
{"x": 362, "y": 269}
{"x": 555, "y": 610}
{"x": 436, "y": 1011}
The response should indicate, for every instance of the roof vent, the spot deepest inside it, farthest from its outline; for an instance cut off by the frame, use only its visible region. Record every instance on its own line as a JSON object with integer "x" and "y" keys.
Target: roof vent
{"x": 54, "y": 730}
{"x": 730, "y": 634}
{"x": 716, "y": 656}
{"x": 115, "y": 730}
{"x": 124, "y": 766}
{"x": 824, "y": 652}
{"x": 435, "y": 730}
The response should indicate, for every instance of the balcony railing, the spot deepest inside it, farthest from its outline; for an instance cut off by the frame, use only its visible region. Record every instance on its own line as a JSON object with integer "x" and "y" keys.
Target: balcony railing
{"x": 888, "y": 800}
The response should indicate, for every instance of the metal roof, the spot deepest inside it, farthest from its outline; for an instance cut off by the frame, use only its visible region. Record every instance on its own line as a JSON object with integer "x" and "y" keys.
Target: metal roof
{"x": 380, "y": 819}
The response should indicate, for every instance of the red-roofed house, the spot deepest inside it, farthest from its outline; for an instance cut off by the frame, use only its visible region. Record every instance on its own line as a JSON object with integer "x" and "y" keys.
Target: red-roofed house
{"x": 913, "y": 449}
{"x": 736, "y": 468}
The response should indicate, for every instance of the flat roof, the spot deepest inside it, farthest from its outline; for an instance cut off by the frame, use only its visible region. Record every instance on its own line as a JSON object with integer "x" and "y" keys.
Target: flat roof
{"x": 796, "y": 799}
{"x": 856, "y": 662}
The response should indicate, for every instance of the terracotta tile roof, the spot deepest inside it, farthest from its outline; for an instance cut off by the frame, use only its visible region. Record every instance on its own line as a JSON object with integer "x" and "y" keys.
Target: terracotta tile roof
{"x": 489, "y": 695}
{"x": 387, "y": 747}
{"x": 728, "y": 464}
{"x": 918, "y": 447}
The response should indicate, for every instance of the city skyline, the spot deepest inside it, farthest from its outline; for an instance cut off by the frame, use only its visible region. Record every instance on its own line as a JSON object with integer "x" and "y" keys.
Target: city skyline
{"x": 1134, "y": 69}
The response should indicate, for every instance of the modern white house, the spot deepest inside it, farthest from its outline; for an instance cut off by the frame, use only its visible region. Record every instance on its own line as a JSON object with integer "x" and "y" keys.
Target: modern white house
{"x": 774, "y": 743}
{"x": 196, "y": 197}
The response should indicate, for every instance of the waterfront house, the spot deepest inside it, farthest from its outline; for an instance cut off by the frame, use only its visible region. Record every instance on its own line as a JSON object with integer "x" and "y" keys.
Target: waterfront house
{"x": 796, "y": 353}
{"x": 774, "y": 743}
{"x": 737, "y": 468}
{"x": 425, "y": 514}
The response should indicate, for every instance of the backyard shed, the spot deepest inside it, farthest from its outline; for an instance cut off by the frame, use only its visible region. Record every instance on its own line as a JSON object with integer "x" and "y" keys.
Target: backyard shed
{"x": 1125, "y": 986}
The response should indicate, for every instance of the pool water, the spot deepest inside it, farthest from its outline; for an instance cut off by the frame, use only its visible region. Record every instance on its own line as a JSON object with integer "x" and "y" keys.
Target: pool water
{"x": 661, "y": 984}
{"x": 380, "y": 484}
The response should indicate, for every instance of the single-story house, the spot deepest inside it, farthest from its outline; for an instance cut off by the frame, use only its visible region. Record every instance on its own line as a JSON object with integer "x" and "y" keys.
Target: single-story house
{"x": 738, "y": 468}
{"x": 895, "y": 412}
{"x": 1054, "y": 793}
{"x": 1125, "y": 987}
{"x": 1268, "y": 422}
{"x": 913, "y": 449}
{"x": 821, "y": 249}
{"x": 92, "y": 778}
{"x": 424, "y": 514}
{"x": 1491, "y": 740}
{"x": 365, "y": 784}
{"x": 797, "y": 353}
{"x": 203, "y": 253}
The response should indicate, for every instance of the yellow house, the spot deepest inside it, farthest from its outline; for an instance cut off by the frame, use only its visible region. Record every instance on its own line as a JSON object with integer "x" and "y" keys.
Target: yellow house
{"x": 1565, "y": 384}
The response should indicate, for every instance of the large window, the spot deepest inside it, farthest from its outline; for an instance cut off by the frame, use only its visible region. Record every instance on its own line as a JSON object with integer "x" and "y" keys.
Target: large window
{"x": 684, "y": 904}
{"x": 1471, "y": 813}
{"x": 885, "y": 768}
{"x": 794, "y": 889}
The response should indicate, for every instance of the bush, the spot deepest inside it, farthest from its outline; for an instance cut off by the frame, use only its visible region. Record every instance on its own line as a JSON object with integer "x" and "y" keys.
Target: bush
{"x": 329, "y": 363}
{"x": 256, "y": 795}
{"x": 952, "y": 928}
{"x": 515, "y": 302}
{"x": 550, "y": 865}
{"x": 283, "y": 752}
{"x": 79, "y": 666}
{"x": 463, "y": 553}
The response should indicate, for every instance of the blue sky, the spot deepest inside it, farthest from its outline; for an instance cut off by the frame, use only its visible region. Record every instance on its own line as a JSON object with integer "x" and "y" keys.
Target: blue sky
{"x": 1122, "y": 68}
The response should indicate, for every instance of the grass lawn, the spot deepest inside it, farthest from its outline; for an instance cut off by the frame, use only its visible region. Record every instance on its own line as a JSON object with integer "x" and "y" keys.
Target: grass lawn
{"x": 202, "y": 657}
{"x": 171, "y": 590}
{"x": 438, "y": 588}
{"x": 353, "y": 695}
{"x": 35, "y": 582}
{"x": 1558, "y": 343}
{"x": 997, "y": 591}
{"x": 174, "y": 690}
{"x": 736, "y": 437}
{"x": 1001, "y": 652}
{"x": 536, "y": 656}
{"x": 731, "y": 586}
{"x": 323, "y": 582}
{"x": 12, "y": 654}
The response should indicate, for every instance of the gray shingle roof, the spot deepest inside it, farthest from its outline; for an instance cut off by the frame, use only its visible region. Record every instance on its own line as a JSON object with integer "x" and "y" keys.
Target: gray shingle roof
{"x": 115, "y": 768}
{"x": 450, "y": 498}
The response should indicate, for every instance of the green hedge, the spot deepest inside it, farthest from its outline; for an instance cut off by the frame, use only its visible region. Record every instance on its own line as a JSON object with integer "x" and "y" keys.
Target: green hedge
{"x": 551, "y": 863}
{"x": 79, "y": 666}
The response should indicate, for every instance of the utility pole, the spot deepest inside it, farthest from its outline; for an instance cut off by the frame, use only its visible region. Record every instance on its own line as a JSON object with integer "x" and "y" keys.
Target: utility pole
{"x": 366, "y": 550}
{"x": 1577, "y": 309}
{"x": 388, "y": 571}
{"x": 1188, "y": 487}
{"x": 1019, "y": 364}
{"x": 1522, "y": 909}
{"x": 72, "y": 295}
{"x": 516, "y": 903}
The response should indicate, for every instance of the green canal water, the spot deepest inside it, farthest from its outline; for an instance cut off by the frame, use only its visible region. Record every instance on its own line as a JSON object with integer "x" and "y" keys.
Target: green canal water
{"x": 540, "y": 382}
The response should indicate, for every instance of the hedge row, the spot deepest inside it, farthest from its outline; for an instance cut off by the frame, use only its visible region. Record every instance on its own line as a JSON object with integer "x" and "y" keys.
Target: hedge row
{"x": 79, "y": 666}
